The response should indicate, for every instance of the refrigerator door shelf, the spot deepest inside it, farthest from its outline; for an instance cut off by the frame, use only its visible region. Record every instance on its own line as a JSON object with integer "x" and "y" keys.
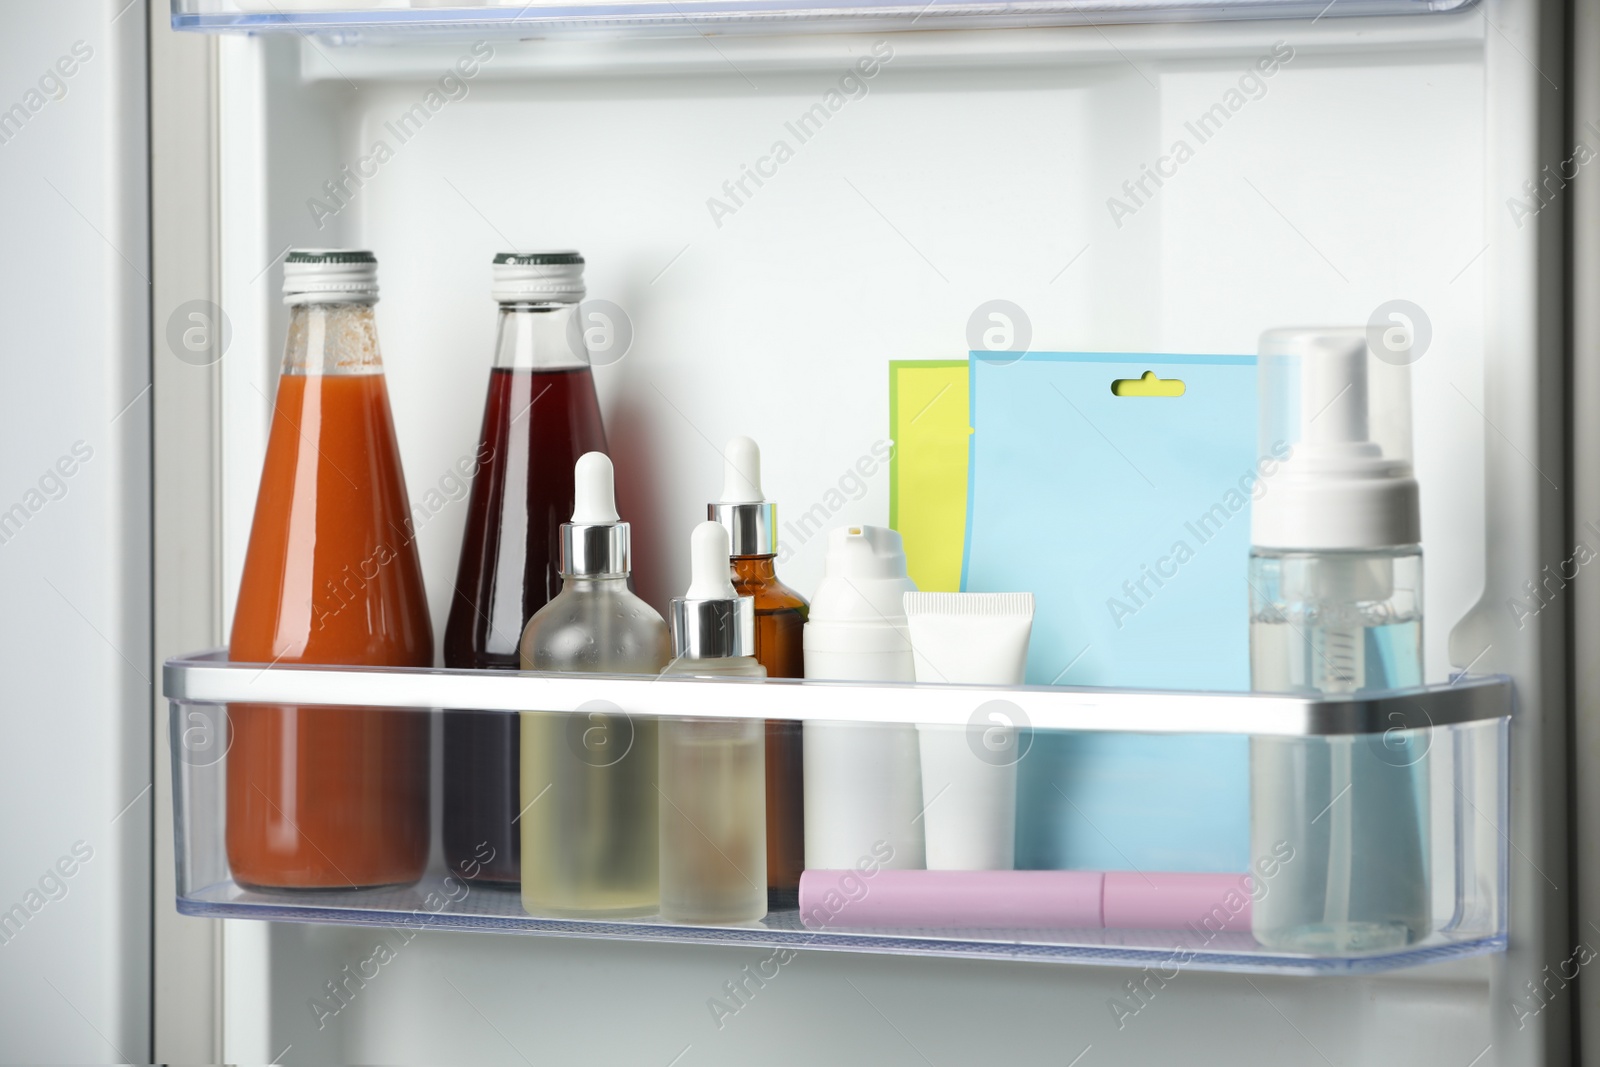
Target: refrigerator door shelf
{"x": 208, "y": 678}
{"x": 514, "y": 18}
{"x": 1458, "y": 735}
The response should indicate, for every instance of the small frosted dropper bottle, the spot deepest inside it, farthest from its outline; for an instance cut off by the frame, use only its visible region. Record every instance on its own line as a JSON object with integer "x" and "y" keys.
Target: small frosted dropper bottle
{"x": 752, "y": 524}
{"x": 713, "y": 781}
{"x": 588, "y": 810}
{"x": 1336, "y": 608}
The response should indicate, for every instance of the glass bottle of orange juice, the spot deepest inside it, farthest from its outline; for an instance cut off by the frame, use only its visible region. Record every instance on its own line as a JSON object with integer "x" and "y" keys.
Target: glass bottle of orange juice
{"x": 323, "y": 797}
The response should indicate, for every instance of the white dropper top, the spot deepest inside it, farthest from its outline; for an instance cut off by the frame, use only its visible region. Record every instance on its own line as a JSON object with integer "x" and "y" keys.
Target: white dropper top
{"x": 712, "y": 621}
{"x": 750, "y": 519}
{"x": 741, "y": 479}
{"x": 594, "y": 491}
{"x": 709, "y": 576}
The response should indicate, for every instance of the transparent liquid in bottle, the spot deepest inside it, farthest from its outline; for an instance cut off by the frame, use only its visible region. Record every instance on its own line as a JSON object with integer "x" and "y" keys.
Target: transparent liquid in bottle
{"x": 589, "y": 813}
{"x": 1354, "y": 810}
{"x": 713, "y": 809}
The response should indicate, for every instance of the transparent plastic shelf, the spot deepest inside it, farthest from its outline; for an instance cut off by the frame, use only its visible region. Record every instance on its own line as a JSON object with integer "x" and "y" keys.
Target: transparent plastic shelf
{"x": 1455, "y": 736}
{"x": 513, "y": 18}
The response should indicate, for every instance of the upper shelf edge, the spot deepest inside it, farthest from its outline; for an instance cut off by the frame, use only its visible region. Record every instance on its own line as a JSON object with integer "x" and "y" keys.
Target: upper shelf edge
{"x": 352, "y": 19}
{"x": 209, "y": 678}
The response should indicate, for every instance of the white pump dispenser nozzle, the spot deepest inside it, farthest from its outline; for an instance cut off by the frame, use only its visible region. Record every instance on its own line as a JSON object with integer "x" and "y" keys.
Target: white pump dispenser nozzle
{"x": 1335, "y": 461}
{"x": 709, "y": 576}
{"x": 594, "y": 491}
{"x": 1334, "y": 397}
{"x": 741, "y": 480}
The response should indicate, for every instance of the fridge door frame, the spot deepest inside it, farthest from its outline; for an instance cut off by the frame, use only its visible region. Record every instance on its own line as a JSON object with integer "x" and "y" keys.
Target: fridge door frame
{"x": 1527, "y": 464}
{"x": 186, "y": 433}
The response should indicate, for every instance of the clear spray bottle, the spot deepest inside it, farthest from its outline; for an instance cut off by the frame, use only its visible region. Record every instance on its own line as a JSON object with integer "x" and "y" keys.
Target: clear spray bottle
{"x": 1336, "y": 608}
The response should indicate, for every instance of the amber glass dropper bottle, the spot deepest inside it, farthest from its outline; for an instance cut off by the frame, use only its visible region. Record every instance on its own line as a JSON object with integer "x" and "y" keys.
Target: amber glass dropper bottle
{"x": 752, "y": 526}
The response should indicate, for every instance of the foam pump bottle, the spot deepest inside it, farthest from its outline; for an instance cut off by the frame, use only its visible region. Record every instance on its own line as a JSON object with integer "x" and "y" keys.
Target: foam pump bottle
{"x": 1336, "y": 609}
{"x": 713, "y": 774}
{"x": 588, "y": 812}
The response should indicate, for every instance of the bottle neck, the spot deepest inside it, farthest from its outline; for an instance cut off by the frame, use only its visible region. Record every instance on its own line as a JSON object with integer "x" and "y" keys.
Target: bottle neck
{"x": 755, "y": 568}
{"x": 604, "y": 583}
{"x": 540, "y": 337}
{"x": 332, "y": 339}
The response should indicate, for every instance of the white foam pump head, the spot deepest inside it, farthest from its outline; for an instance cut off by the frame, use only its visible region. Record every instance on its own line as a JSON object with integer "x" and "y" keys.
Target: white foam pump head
{"x": 709, "y": 575}
{"x": 741, "y": 479}
{"x": 1335, "y": 462}
{"x": 594, "y": 491}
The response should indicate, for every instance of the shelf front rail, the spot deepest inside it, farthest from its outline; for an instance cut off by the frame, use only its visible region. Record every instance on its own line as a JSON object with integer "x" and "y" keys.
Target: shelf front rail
{"x": 208, "y": 678}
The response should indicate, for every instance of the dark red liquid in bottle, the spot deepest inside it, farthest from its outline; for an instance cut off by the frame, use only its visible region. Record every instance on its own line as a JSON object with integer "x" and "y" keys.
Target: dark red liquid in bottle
{"x": 535, "y": 426}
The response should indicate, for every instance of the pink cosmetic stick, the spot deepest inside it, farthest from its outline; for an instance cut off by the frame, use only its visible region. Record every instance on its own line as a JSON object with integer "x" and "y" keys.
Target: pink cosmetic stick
{"x": 1081, "y": 900}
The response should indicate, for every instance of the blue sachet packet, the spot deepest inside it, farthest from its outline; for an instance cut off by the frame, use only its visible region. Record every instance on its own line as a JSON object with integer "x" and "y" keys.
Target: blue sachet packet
{"x": 1128, "y": 516}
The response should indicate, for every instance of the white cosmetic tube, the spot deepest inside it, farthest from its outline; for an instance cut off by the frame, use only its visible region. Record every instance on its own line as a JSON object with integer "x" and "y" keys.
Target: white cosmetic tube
{"x": 969, "y": 773}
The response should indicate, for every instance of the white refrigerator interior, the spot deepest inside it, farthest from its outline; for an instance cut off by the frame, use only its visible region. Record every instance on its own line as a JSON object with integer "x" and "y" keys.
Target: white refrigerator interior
{"x": 971, "y": 166}
{"x": 772, "y": 226}
{"x": 75, "y": 537}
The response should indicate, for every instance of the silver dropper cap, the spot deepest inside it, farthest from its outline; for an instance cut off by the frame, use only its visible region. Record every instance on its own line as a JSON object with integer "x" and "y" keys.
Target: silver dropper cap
{"x": 712, "y": 621}
{"x": 750, "y": 519}
{"x": 595, "y": 544}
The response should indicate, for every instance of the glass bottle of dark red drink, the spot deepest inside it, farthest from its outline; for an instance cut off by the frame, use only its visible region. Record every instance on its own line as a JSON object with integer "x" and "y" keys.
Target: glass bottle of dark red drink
{"x": 541, "y": 416}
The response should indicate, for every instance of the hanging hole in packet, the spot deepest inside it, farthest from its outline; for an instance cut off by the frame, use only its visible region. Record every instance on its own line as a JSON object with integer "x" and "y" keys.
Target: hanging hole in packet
{"x": 1147, "y": 384}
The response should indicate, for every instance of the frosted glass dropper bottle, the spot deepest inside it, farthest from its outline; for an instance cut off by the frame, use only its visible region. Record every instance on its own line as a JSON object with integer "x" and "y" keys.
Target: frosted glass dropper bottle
{"x": 1336, "y": 608}
{"x": 588, "y": 793}
{"x": 713, "y": 780}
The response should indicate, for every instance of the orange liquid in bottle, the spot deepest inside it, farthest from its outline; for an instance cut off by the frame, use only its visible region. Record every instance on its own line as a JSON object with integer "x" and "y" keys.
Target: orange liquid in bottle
{"x": 323, "y": 797}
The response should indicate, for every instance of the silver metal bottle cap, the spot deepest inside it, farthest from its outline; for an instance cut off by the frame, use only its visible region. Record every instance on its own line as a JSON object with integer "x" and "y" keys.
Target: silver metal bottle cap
{"x": 538, "y": 278}
{"x": 330, "y": 276}
{"x": 713, "y": 629}
{"x": 752, "y": 528}
{"x": 595, "y": 551}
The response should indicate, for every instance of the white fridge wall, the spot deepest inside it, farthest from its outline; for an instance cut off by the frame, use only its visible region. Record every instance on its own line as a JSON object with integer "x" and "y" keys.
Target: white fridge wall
{"x": 1360, "y": 176}
{"x": 75, "y": 536}
{"x": 1357, "y": 178}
